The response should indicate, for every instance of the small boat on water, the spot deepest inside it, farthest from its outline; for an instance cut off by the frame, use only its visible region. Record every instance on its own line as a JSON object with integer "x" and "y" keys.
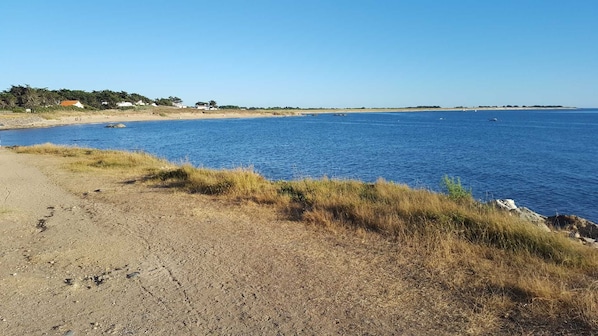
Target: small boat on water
{"x": 340, "y": 114}
{"x": 493, "y": 119}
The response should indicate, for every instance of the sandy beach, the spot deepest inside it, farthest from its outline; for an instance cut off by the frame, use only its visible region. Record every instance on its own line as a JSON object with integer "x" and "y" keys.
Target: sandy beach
{"x": 32, "y": 120}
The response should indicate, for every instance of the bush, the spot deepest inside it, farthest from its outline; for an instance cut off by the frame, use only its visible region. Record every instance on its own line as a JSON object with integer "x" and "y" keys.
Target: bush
{"x": 455, "y": 190}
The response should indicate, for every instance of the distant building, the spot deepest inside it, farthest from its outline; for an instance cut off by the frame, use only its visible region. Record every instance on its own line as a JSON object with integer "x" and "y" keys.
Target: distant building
{"x": 124, "y": 104}
{"x": 202, "y": 106}
{"x": 67, "y": 103}
{"x": 140, "y": 103}
{"x": 205, "y": 106}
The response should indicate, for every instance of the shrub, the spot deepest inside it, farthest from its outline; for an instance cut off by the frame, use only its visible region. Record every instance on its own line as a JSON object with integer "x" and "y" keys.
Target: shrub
{"x": 455, "y": 190}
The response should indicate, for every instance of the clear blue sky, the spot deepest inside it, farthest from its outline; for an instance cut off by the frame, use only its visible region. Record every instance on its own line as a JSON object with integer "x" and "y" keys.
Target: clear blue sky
{"x": 309, "y": 53}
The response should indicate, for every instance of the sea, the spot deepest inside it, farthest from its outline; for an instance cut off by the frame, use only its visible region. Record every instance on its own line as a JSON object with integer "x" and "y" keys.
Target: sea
{"x": 546, "y": 160}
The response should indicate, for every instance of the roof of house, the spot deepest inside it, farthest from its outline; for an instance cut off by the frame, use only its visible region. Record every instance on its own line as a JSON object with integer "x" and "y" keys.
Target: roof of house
{"x": 69, "y": 102}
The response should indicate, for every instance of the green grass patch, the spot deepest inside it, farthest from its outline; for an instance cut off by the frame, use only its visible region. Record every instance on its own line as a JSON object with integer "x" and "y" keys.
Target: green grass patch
{"x": 455, "y": 190}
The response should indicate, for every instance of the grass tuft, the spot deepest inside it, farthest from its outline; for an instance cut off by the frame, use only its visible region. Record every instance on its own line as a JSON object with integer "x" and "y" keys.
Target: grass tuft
{"x": 87, "y": 159}
{"x": 240, "y": 183}
{"x": 455, "y": 190}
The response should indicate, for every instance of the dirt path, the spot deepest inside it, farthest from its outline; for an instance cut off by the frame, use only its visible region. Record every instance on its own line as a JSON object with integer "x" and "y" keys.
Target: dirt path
{"x": 94, "y": 255}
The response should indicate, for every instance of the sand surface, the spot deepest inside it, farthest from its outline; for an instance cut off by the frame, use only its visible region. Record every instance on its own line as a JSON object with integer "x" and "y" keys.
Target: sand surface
{"x": 83, "y": 254}
{"x": 32, "y": 120}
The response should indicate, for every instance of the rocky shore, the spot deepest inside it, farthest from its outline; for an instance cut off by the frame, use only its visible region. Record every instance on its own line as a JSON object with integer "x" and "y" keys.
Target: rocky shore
{"x": 577, "y": 228}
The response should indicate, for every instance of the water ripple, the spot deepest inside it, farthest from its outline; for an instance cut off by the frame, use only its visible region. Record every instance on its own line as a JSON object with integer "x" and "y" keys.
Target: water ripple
{"x": 545, "y": 160}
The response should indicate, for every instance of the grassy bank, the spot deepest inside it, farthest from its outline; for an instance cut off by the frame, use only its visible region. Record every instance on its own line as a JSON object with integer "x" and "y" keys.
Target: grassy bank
{"x": 503, "y": 266}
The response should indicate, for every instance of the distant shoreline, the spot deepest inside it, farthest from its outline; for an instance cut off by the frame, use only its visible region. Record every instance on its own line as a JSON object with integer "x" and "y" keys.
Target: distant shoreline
{"x": 11, "y": 120}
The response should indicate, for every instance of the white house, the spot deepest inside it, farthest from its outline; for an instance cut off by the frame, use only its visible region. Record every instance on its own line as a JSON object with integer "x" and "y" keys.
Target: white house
{"x": 203, "y": 106}
{"x": 124, "y": 104}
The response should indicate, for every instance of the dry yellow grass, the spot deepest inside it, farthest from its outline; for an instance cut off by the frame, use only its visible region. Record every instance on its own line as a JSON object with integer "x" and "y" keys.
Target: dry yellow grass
{"x": 497, "y": 263}
{"x": 87, "y": 159}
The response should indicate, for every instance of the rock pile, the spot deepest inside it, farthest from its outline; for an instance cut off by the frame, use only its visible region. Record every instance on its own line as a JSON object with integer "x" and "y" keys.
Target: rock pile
{"x": 119, "y": 125}
{"x": 579, "y": 228}
{"x": 523, "y": 212}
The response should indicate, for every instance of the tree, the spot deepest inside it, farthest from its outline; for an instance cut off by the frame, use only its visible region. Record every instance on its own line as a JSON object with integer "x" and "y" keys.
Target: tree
{"x": 48, "y": 97}
{"x": 30, "y": 97}
{"x": 135, "y": 97}
{"x": 163, "y": 101}
{"x": 26, "y": 96}
{"x": 212, "y": 104}
{"x": 106, "y": 99}
{"x": 175, "y": 100}
{"x": 7, "y": 100}
{"x": 229, "y": 107}
{"x": 19, "y": 92}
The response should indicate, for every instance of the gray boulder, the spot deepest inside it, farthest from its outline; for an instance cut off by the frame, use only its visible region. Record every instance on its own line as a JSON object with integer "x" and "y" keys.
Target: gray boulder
{"x": 533, "y": 217}
{"x": 119, "y": 125}
{"x": 526, "y": 214}
{"x": 504, "y": 204}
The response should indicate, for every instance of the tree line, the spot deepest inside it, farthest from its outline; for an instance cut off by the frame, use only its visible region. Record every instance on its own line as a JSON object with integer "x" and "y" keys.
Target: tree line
{"x": 27, "y": 97}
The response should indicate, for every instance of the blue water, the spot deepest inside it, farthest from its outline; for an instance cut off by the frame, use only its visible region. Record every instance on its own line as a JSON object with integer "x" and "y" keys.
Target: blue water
{"x": 545, "y": 160}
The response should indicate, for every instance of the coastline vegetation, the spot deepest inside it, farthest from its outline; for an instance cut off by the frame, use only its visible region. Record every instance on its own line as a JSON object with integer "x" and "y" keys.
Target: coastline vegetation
{"x": 499, "y": 263}
{"x": 24, "y": 98}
